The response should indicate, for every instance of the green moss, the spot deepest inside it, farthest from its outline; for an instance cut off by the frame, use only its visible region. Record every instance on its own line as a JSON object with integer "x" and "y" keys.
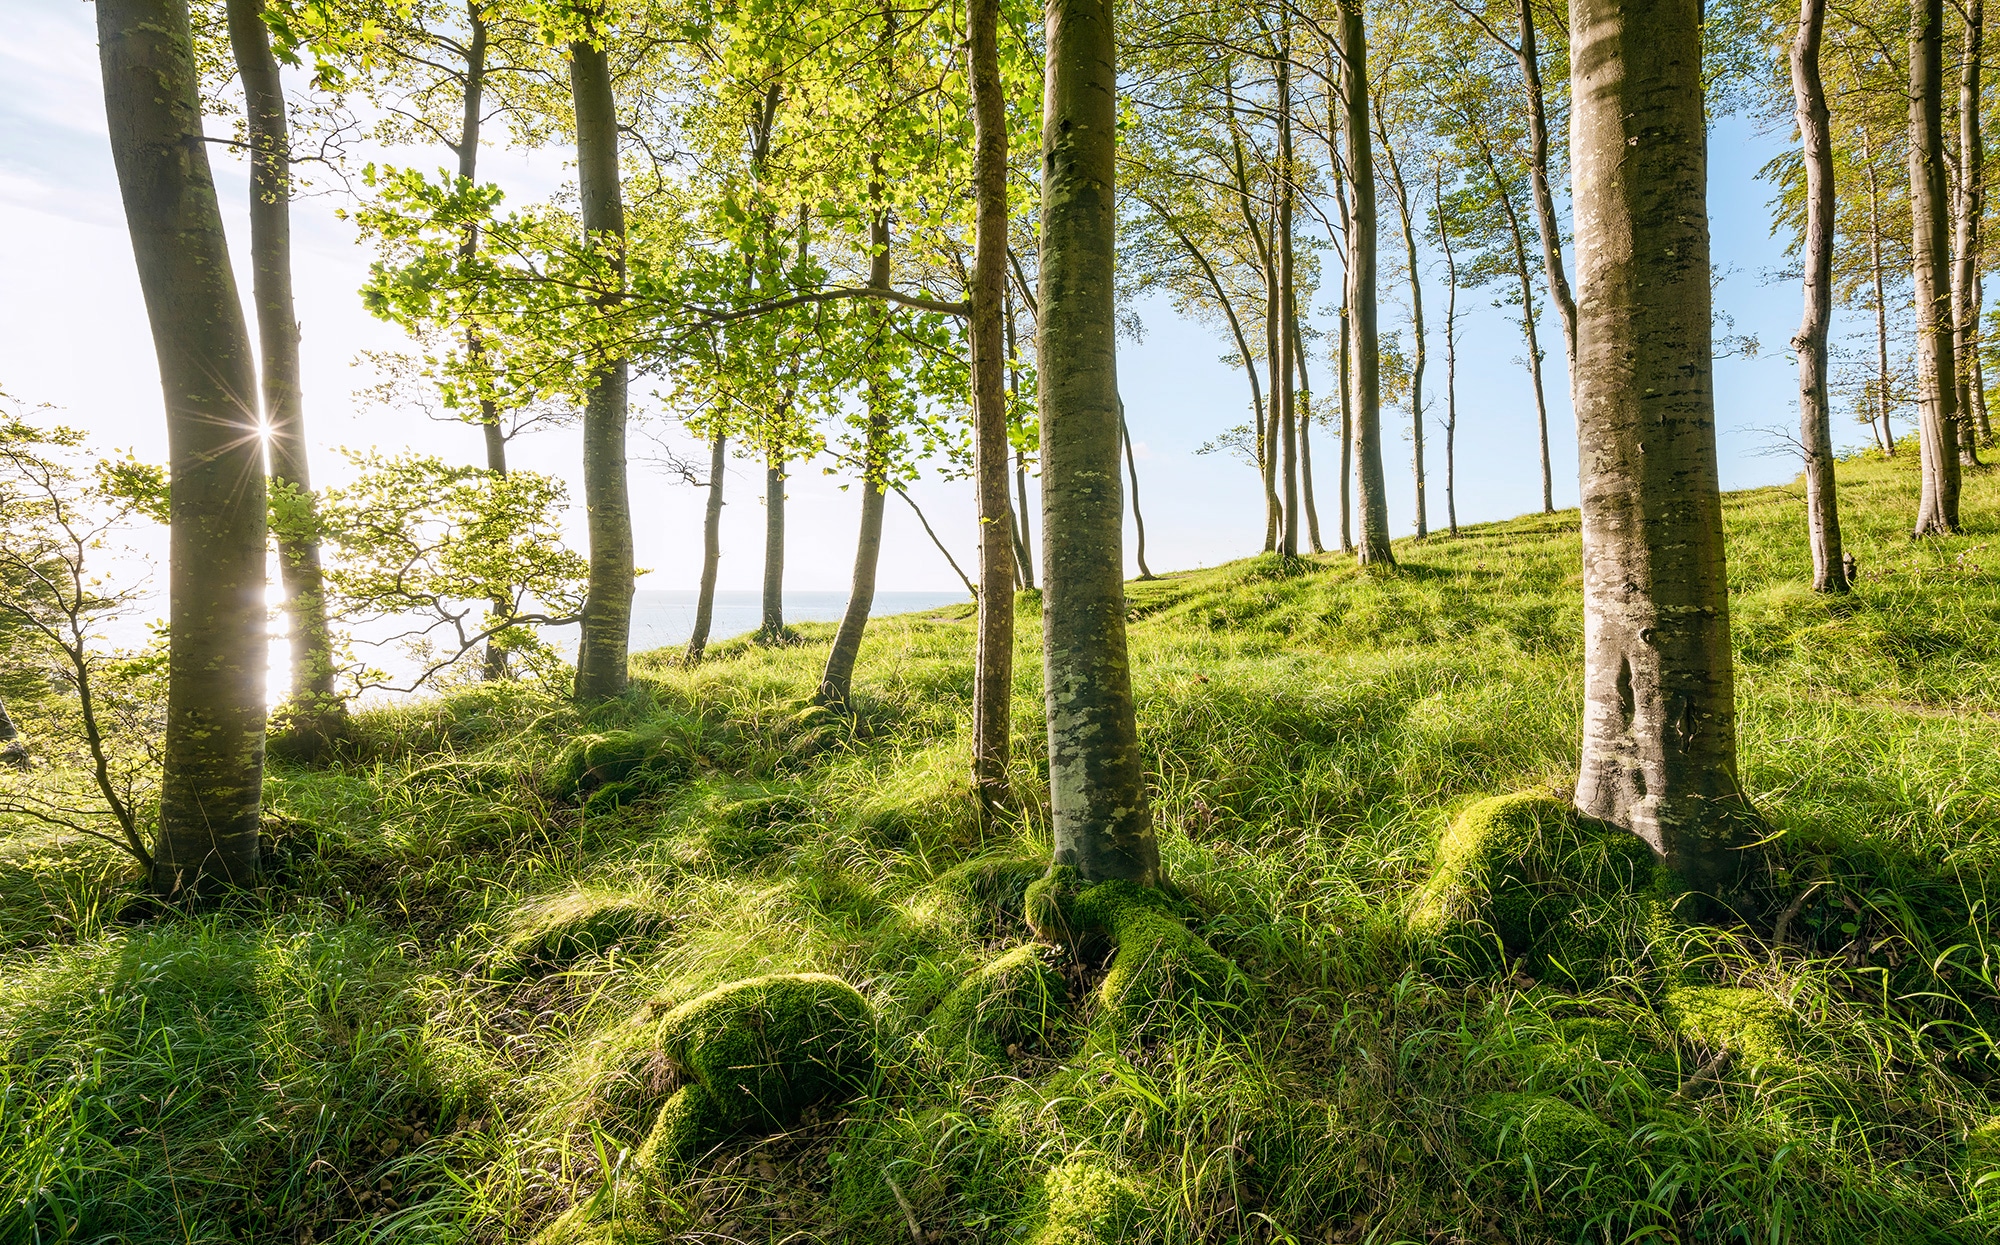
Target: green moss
{"x": 1541, "y": 1127}
{"x": 1982, "y": 1164}
{"x": 1160, "y": 966}
{"x": 1086, "y": 1202}
{"x": 611, "y": 767}
{"x": 1014, "y": 1000}
{"x": 755, "y": 1054}
{"x": 998, "y": 883}
{"x": 584, "y": 922}
{"x": 1752, "y": 1025}
{"x": 1557, "y": 889}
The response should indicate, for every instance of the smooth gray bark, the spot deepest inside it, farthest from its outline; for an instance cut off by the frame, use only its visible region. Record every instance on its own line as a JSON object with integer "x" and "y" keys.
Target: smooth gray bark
{"x": 993, "y": 667}
{"x": 1659, "y": 733}
{"x": 1283, "y": 369}
{"x": 773, "y": 625}
{"x": 1549, "y": 227}
{"x": 1967, "y": 210}
{"x": 1815, "y": 426}
{"x": 1371, "y": 493}
{"x": 601, "y": 668}
{"x": 1097, "y": 790}
{"x": 1138, "y": 518}
{"x": 1417, "y": 351}
{"x": 1885, "y": 435}
{"x": 1450, "y": 354}
{"x": 213, "y": 751}
{"x": 1305, "y": 424}
{"x": 1937, "y": 384}
{"x": 711, "y": 549}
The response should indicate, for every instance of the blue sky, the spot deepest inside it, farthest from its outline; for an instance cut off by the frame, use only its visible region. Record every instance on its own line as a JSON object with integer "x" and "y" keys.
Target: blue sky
{"x": 73, "y": 334}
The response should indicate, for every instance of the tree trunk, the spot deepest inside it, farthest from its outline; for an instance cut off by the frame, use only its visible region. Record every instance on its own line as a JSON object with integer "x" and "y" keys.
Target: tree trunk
{"x": 1659, "y": 734}
{"x": 1340, "y": 180}
{"x": 1305, "y": 425}
{"x": 1096, "y": 773}
{"x": 1886, "y": 435}
{"x": 1371, "y": 493}
{"x": 1528, "y": 330}
{"x": 1416, "y": 320}
{"x": 213, "y": 751}
{"x": 1937, "y": 387}
{"x": 711, "y": 549}
{"x": 607, "y": 606}
{"x": 1271, "y": 424}
{"x": 1283, "y": 371}
{"x": 1265, "y": 417}
{"x": 773, "y": 626}
{"x": 1024, "y": 540}
{"x": 1538, "y": 166}
{"x": 1450, "y": 356}
{"x": 312, "y": 712}
{"x": 1967, "y": 209}
{"x": 1815, "y": 425}
{"x": 993, "y": 671}
{"x": 1138, "y": 519}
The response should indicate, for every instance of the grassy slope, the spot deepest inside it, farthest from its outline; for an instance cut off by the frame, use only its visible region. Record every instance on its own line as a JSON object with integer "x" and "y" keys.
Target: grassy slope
{"x": 336, "y": 1060}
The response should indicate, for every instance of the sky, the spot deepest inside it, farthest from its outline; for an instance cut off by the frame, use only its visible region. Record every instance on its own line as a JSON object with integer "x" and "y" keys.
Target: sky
{"x": 73, "y": 335}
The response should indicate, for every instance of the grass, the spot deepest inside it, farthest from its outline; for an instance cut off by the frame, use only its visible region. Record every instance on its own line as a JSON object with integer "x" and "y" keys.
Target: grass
{"x": 428, "y": 1026}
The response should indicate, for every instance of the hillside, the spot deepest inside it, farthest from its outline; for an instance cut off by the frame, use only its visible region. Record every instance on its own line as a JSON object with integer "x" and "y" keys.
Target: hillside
{"x": 433, "y": 1024}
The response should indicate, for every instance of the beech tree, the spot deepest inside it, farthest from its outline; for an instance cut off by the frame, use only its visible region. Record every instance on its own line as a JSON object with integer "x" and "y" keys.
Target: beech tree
{"x": 1103, "y": 826}
{"x": 212, "y": 758}
{"x": 1659, "y": 732}
{"x": 1815, "y": 429}
{"x": 1371, "y": 492}
{"x": 1937, "y": 383}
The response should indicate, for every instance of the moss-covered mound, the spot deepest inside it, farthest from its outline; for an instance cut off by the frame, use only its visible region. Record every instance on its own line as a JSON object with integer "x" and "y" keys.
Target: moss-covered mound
{"x": 1982, "y": 1164}
{"x": 1086, "y": 1202}
{"x": 1016, "y": 1000}
{"x": 1528, "y": 876}
{"x": 1160, "y": 967}
{"x": 610, "y": 767}
{"x": 1549, "y": 1130}
{"x": 755, "y": 1054}
{"x": 587, "y": 921}
{"x": 1753, "y": 1027}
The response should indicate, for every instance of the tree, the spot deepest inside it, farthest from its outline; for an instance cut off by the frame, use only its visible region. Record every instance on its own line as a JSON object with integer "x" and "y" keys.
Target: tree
{"x": 1937, "y": 385}
{"x": 1659, "y": 733}
{"x": 313, "y": 712}
{"x": 213, "y": 751}
{"x": 1103, "y": 826}
{"x": 1815, "y": 430}
{"x": 1371, "y": 493}
{"x": 1968, "y": 208}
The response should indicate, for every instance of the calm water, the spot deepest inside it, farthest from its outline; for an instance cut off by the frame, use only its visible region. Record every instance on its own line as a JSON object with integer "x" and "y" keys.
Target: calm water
{"x": 664, "y": 618}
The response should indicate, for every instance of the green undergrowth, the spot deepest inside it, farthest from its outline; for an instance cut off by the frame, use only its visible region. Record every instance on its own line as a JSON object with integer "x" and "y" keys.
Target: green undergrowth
{"x": 711, "y": 964}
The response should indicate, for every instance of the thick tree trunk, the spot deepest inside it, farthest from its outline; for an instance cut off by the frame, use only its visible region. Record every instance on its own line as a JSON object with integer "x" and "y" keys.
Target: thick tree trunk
{"x": 1417, "y": 351}
{"x": 1815, "y": 424}
{"x": 836, "y": 683}
{"x": 1138, "y": 518}
{"x": 1529, "y": 56}
{"x": 1305, "y": 425}
{"x": 711, "y": 549}
{"x": 1967, "y": 210}
{"x": 1450, "y": 355}
{"x": 773, "y": 626}
{"x": 312, "y": 711}
{"x": 1371, "y": 493}
{"x": 993, "y": 670}
{"x": 213, "y": 753}
{"x": 607, "y": 607}
{"x": 1937, "y": 385}
{"x": 1096, "y": 773}
{"x": 1659, "y": 734}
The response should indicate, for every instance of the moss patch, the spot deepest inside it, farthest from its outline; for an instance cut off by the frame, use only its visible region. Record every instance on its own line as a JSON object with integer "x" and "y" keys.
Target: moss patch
{"x": 1560, "y": 890}
{"x": 1541, "y": 1127}
{"x": 1086, "y": 1202}
{"x": 1014, "y": 1000}
{"x": 1982, "y": 1164}
{"x": 1159, "y": 967}
{"x": 584, "y": 922}
{"x": 1750, "y": 1024}
{"x": 611, "y": 767}
{"x": 755, "y": 1054}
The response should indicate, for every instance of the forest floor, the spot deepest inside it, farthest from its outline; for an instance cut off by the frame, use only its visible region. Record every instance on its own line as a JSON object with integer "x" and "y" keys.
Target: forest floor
{"x": 423, "y": 1027}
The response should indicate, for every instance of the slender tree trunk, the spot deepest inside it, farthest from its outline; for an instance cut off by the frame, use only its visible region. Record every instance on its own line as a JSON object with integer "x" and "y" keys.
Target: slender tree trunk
{"x": 213, "y": 752}
{"x": 1528, "y": 330}
{"x": 1659, "y": 734}
{"x": 1937, "y": 386}
{"x": 1096, "y": 777}
{"x": 1270, "y": 430}
{"x": 1371, "y": 493}
{"x": 1450, "y": 355}
{"x": 1815, "y": 425}
{"x": 1024, "y": 540}
{"x": 1885, "y": 435}
{"x": 1305, "y": 425}
{"x": 1969, "y": 206}
{"x": 13, "y": 750}
{"x": 993, "y": 673}
{"x": 313, "y": 711}
{"x": 711, "y": 549}
{"x": 607, "y": 607}
{"x": 1138, "y": 518}
{"x": 773, "y": 626}
{"x": 1416, "y": 319}
{"x": 1340, "y": 183}
{"x": 1265, "y": 418}
{"x": 1284, "y": 371}
{"x": 836, "y": 685}
{"x": 1538, "y": 168}
{"x": 1242, "y": 350}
